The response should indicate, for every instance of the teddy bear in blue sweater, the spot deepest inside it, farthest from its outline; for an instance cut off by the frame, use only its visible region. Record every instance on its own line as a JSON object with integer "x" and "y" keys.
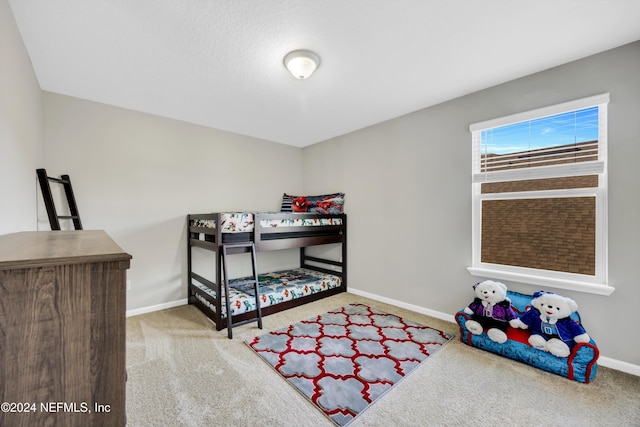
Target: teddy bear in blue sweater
{"x": 552, "y": 328}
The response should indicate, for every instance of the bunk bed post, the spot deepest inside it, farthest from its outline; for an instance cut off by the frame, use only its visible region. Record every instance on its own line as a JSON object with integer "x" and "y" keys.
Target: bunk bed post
{"x": 218, "y": 268}
{"x": 189, "y": 269}
{"x": 227, "y": 300}
{"x": 344, "y": 251}
{"x": 257, "y": 236}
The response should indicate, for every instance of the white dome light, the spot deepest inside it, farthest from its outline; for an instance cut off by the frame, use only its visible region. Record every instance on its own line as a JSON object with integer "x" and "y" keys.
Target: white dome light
{"x": 301, "y": 63}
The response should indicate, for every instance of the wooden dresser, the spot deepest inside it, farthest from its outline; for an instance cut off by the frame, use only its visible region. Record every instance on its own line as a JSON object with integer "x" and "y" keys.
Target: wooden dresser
{"x": 62, "y": 329}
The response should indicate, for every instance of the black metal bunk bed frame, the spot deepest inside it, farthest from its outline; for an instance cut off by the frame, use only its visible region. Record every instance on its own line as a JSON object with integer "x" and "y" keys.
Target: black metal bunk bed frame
{"x": 264, "y": 239}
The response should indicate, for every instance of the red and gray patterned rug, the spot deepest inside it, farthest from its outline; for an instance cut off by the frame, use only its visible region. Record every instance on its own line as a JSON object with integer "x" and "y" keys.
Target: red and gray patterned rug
{"x": 344, "y": 360}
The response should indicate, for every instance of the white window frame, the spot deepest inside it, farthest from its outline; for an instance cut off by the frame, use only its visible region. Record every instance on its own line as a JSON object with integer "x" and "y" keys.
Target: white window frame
{"x": 597, "y": 284}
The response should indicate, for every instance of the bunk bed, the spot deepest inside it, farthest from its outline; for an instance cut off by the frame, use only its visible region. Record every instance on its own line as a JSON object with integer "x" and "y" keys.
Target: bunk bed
{"x": 239, "y": 232}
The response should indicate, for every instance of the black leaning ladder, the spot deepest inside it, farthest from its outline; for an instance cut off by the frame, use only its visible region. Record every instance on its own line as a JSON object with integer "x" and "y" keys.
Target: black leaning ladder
{"x": 54, "y": 218}
{"x": 228, "y": 248}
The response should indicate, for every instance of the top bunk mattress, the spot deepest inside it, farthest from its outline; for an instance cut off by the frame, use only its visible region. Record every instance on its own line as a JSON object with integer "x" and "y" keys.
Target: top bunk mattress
{"x": 243, "y": 222}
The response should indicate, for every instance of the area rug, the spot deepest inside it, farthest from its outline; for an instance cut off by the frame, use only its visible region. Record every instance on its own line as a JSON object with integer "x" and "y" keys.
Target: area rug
{"x": 346, "y": 359}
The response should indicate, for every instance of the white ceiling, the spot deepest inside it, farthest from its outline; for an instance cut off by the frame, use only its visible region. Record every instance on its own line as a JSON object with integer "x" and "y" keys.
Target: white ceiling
{"x": 218, "y": 63}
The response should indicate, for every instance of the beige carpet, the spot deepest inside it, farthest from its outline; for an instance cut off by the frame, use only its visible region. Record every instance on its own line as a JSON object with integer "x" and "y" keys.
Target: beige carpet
{"x": 181, "y": 372}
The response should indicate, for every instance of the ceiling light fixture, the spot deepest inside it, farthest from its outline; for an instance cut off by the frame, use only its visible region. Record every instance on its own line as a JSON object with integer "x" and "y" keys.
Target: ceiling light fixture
{"x": 301, "y": 63}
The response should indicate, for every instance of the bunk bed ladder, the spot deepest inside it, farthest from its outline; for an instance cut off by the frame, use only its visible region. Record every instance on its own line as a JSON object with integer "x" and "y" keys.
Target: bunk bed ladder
{"x": 228, "y": 248}
{"x": 48, "y": 200}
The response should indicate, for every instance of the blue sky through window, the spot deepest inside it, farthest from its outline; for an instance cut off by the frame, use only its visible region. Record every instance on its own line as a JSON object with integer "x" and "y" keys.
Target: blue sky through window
{"x": 553, "y": 131}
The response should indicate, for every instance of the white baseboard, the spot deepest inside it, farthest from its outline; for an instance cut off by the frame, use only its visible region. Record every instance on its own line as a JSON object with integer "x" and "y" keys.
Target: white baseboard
{"x": 158, "y": 307}
{"x": 426, "y": 311}
{"x": 608, "y": 362}
{"x": 619, "y": 365}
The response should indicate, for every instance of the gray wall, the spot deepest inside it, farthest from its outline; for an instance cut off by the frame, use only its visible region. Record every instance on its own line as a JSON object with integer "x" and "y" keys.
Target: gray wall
{"x": 137, "y": 176}
{"x": 20, "y": 129}
{"x": 408, "y": 194}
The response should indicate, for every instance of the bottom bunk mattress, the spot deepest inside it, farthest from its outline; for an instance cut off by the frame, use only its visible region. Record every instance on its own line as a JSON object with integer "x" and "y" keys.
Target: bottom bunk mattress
{"x": 274, "y": 288}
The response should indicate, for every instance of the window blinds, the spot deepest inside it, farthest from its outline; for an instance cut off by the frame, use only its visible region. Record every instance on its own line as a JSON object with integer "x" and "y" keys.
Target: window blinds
{"x": 551, "y": 142}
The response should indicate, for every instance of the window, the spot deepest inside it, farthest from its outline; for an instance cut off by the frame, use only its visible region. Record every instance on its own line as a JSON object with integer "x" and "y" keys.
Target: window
{"x": 540, "y": 195}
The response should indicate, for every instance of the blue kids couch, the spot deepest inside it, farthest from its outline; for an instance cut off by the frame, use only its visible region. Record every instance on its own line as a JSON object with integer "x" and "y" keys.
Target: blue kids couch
{"x": 581, "y": 365}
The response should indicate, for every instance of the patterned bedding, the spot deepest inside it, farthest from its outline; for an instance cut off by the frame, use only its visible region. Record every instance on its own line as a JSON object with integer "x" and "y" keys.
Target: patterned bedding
{"x": 274, "y": 288}
{"x": 242, "y": 222}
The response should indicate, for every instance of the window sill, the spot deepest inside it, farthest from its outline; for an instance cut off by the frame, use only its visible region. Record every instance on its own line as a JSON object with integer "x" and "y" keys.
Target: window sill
{"x": 572, "y": 285}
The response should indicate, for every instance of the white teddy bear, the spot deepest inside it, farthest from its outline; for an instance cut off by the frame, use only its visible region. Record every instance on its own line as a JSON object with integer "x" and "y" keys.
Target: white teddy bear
{"x": 490, "y": 309}
{"x": 552, "y": 329}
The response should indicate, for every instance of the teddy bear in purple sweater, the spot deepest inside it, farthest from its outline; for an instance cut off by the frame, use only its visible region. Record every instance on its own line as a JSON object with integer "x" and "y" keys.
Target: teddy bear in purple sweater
{"x": 491, "y": 310}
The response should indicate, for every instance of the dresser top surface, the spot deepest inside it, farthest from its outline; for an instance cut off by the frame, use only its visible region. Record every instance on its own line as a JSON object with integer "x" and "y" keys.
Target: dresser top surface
{"x": 40, "y": 248}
